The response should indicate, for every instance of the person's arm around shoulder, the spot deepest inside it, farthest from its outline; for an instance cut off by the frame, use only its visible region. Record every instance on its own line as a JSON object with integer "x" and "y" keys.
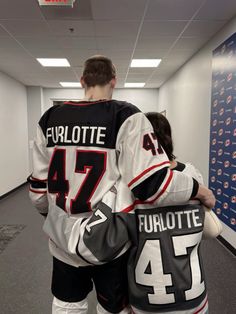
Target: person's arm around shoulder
{"x": 144, "y": 166}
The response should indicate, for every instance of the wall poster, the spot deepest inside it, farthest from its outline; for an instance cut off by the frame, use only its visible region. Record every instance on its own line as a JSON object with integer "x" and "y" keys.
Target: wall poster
{"x": 222, "y": 161}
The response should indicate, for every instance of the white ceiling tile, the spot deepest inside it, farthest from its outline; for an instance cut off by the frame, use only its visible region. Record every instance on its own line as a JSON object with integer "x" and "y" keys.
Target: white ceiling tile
{"x": 77, "y": 57}
{"x": 3, "y": 33}
{"x": 117, "y": 53}
{"x": 118, "y": 10}
{"x": 203, "y": 28}
{"x": 50, "y": 83}
{"x": 154, "y": 85}
{"x": 137, "y": 78}
{"x": 177, "y": 57}
{"x": 18, "y": 58}
{"x": 26, "y": 27}
{"x": 158, "y": 80}
{"x": 18, "y": 65}
{"x": 149, "y": 53}
{"x": 191, "y": 42}
{"x": 26, "y": 80}
{"x": 121, "y": 28}
{"x": 8, "y": 43}
{"x": 23, "y": 9}
{"x": 78, "y": 42}
{"x": 140, "y": 71}
{"x": 119, "y": 43}
{"x": 162, "y": 28}
{"x": 39, "y": 43}
{"x": 164, "y": 72}
{"x": 17, "y": 73}
{"x": 155, "y": 42}
{"x": 217, "y": 10}
{"x": 60, "y": 71}
{"x": 80, "y": 28}
{"x": 48, "y": 53}
{"x": 172, "y": 9}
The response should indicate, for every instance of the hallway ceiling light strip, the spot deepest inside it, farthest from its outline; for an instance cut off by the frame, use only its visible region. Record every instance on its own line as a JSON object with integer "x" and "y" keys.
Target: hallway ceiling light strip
{"x": 70, "y": 84}
{"x": 138, "y": 85}
{"x": 145, "y": 63}
{"x": 51, "y": 62}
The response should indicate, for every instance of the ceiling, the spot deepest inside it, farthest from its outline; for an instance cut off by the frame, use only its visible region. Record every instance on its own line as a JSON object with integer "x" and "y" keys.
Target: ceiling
{"x": 169, "y": 29}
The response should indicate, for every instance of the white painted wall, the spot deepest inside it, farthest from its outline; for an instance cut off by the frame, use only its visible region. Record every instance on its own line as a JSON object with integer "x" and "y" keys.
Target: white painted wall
{"x": 34, "y": 103}
{"x": 13, "y": 134}
{"x": 144, "y": 99}
{"x": 50, "y": 94}
{"x": 186, "y": 97}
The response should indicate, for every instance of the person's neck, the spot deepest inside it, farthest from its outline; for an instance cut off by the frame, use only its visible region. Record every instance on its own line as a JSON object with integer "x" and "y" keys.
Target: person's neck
{"x": 98, "y": 93}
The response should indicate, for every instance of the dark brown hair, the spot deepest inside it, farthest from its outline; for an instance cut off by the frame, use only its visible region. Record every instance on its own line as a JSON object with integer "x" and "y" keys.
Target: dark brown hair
{"x": 98, "y": 70}
{"x": 162, "y": 130}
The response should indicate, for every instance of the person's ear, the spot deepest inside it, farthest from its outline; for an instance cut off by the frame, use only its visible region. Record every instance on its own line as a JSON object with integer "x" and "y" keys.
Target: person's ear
{"x": 113, "y": 82}
{"x": 82, "y": 82}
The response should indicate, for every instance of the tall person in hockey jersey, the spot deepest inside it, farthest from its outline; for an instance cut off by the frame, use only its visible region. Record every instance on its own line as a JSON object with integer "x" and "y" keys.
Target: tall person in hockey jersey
{"x": 165, "y": 268}
{"x": 81, "y": 151}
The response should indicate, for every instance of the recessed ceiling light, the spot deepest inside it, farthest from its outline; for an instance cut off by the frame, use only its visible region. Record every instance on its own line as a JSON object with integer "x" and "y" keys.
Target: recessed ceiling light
{"x": 145, "y": 63}
{"x": 52, "y": 62}
{"x": 134, "y": 84}
{"x": 70, "y": 84}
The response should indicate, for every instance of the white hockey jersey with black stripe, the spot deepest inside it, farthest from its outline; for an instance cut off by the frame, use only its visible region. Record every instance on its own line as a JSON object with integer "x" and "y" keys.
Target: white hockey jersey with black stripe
{"x": 82, "y": 149}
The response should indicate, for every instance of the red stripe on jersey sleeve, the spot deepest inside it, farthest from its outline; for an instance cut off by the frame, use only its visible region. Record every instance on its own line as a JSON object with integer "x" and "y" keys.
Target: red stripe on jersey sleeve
{"x": 137, "y": 202}
{"x": 198, "y": 311}
{"x": 164, "y": 187}
{"x": 146, "y": 171}
{"x": 40, "y": 180}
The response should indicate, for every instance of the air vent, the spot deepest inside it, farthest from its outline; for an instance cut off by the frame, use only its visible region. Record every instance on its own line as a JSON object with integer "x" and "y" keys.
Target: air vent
{"x": 80, "y": 11}
{"x": 56, "y": 2}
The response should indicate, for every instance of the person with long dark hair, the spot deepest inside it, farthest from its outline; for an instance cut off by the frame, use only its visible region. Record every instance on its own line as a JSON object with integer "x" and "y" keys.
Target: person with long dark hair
{"x": 165, "y": 270}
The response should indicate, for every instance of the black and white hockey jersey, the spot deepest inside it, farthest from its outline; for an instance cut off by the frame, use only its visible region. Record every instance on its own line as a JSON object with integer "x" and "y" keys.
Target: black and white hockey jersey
{"x": 165, "y": 268}
{"x": 81, "y": 151}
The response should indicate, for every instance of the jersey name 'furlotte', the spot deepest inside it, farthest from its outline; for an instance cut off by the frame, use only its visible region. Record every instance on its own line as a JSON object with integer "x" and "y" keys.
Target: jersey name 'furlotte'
{"x": 76, "y": 135}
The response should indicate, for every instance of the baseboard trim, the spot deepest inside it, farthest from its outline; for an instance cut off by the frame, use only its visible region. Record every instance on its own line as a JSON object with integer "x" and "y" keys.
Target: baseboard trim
{"x": 227, "y": 245}
{"x": 8, "y": 193}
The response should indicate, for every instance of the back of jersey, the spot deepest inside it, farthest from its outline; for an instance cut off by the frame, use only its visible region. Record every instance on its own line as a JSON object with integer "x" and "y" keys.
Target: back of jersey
{"x": 75, "y": 153}
{"x": 80, "y": 142}
{"x": 165, "y": 269}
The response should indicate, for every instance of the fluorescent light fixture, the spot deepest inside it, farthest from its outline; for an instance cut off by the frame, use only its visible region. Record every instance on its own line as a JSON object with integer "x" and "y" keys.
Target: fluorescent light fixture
{"x": 70, "y": 84}
{"x": 52, "y": 62}
{"x": 134, "y": 84}
{"x": 145, "y": 63}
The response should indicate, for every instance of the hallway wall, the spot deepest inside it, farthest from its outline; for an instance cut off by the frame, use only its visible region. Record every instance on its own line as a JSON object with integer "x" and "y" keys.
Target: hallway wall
{"x": 13, "y": 134}
{"x": 144, "y": 99}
